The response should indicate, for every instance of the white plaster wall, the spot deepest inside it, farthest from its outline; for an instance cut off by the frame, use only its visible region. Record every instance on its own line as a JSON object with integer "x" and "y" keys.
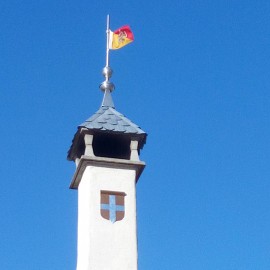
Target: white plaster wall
{"x": 103, "y": 245}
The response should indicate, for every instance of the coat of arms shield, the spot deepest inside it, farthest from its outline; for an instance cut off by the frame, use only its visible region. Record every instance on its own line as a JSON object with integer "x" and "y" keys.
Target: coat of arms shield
{"x": 112, "y": 205}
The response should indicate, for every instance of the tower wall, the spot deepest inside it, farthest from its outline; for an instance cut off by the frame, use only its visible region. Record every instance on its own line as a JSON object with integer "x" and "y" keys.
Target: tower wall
{"x": 102, "y": 244}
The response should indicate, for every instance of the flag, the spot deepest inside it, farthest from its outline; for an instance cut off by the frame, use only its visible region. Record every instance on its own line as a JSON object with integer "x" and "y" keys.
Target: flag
{"x": 120, "y": 37}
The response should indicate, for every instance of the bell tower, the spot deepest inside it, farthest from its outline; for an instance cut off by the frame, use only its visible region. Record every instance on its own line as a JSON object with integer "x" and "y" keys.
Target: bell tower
{"x": 106, "y": 151}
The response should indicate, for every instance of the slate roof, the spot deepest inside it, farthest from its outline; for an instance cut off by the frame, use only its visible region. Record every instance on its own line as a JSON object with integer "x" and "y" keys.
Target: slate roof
{"x": 108, "y": 119}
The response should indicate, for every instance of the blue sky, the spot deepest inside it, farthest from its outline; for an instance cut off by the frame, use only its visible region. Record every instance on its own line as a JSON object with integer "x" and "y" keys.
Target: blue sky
{"x": 196, "y": 79}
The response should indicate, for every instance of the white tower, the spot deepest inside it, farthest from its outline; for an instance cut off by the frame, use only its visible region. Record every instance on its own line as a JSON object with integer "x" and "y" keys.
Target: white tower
{"x": 106, "y": 151}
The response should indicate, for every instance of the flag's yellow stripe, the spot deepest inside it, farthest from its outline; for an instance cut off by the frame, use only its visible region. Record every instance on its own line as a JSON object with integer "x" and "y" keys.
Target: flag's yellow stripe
{"x": 119, "y": 41}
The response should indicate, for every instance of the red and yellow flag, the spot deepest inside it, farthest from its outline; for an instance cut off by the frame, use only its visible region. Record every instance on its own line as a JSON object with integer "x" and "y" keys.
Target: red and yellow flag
{"x": 120, "y": 37}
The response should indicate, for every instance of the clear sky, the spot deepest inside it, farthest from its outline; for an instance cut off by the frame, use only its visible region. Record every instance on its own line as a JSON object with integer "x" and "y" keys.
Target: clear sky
{"x": 196, "y": 79}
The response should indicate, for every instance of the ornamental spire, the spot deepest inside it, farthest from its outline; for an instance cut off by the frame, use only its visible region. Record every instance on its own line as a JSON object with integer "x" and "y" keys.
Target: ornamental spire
{"x": 107, "y": 86}
{"x": 115, "y": 40}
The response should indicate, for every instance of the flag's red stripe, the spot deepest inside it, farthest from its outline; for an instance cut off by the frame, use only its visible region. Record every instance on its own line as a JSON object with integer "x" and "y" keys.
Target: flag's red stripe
{"x": 128, "y": 31}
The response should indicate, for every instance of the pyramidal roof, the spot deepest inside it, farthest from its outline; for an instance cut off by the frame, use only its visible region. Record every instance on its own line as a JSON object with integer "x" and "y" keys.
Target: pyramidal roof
{"x": 107, "y": 120}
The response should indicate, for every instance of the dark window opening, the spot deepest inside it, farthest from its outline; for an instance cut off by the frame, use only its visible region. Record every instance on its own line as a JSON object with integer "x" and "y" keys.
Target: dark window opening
{"x": 113, "y": 146}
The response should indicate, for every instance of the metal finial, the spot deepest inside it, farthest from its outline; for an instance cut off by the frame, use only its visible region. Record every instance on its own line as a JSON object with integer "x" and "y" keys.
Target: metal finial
{"x": 106, "y": 85}
{"x": 107, "y": 71}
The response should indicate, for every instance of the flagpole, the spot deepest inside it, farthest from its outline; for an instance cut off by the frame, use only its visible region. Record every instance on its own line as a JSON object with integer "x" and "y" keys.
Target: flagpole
{"x": 107, "y": 86}
{"x": 108, "y": 38}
